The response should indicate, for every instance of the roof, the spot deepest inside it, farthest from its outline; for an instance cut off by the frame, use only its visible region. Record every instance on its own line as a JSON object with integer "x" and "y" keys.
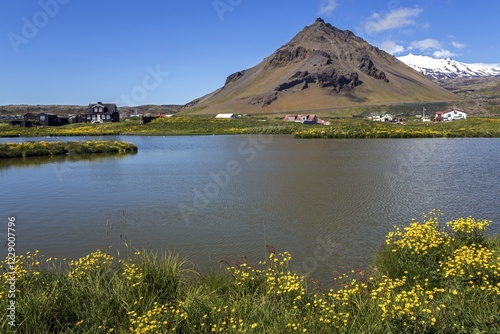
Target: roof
{"x": 440, "y": 113}
{"x": 225, "y": 116}
{"x": 109, "y": 108}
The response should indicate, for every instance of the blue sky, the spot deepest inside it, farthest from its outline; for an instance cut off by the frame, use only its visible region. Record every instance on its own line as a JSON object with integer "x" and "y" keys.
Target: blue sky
{"x": 172, "y": 51}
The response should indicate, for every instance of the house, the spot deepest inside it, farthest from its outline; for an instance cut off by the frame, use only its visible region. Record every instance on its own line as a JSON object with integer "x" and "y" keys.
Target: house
{"x": 381, "y": 118}
{"x": 226, "y": 116}
{"x": 451, "y": 115}
{"x": 102, "y": 113}
{"x": 145, "y": 119}
{"x": 304, "y": 119}
{"x": 30, "y": 117}
{"x": 47, "y": 119}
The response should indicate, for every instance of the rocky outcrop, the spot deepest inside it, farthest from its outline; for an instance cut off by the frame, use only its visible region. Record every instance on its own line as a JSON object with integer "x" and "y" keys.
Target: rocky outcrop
{"x": 234, "y": 77}
{"x": 266, "y": 100}
{"x": 367, "y": 66}
{"x": 328, "y": 78}
{"x": 285, "y": 55}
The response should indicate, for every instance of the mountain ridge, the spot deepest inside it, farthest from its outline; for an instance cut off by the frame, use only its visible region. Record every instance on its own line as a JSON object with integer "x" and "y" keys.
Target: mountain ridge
{"x": 448, "y": 68}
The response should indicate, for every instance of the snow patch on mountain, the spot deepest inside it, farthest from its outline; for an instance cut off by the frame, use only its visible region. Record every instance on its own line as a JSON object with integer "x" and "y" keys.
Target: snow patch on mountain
{"x": 448, "y": 68}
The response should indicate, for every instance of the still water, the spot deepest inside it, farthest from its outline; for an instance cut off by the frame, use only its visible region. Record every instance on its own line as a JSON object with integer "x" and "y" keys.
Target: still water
{"x": 329, "y": 202}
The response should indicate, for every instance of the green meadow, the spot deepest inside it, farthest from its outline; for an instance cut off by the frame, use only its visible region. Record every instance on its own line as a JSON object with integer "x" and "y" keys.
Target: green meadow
{"x": 203, "y": 125}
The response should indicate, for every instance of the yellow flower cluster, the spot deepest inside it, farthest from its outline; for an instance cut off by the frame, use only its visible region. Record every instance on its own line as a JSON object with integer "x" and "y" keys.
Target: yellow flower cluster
{"x": 418, "y": 238}
{"x": 280, "y": 280}
{"x": 468, "y": 225}
{"x": 89, "y": 264}
{"x": 151, "y": 321}
{"x": 414, "y": 306}
{"x": 475, "y": 265}
{"x": 326, "y": 307}
{"x": 226, "y": 323}
{"x": 25, "y": 266}
{"x": 133, "y": 273}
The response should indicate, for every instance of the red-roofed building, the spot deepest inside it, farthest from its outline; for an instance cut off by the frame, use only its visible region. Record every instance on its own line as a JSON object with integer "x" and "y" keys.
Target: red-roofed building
{"x": 451, "y": 115}
{"x": 304, "y": 119}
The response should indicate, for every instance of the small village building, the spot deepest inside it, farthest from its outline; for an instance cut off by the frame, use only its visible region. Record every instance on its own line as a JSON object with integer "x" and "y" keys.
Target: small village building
{"x": 226, "y": 116}
{"x": 304, "y": 119}
{"x": 102, "y": 113}
{"x": 451, "y": 115}
{"x": 145, "y": 119}
{"x": 381, "y": 118}
{"x": 30, "y": 117}
{"x": 47, "y": 119}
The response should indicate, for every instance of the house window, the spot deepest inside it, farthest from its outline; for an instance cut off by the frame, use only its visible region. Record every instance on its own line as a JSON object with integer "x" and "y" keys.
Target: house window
{"x": 100, "y": 109}
{"x": 89, "y": 117}
{"x": 42, "y": 118}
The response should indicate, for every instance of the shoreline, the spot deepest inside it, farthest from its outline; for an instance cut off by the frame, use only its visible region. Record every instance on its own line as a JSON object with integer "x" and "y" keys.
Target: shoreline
{"x": 340, "y": 128}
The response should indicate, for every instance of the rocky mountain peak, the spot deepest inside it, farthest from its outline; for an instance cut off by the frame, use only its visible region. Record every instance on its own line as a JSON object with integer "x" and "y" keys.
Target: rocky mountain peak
{"x": 321, "y": 65}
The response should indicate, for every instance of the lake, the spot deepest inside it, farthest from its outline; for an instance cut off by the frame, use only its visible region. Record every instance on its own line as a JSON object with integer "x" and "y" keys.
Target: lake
{"x": 329, "y": 202}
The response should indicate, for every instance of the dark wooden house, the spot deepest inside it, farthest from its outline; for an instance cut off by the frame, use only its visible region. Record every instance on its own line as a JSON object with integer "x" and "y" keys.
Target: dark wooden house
{"x": 102, "y": 113}
{"x": 49, "y": 119}
{"x": 30, "y": 117}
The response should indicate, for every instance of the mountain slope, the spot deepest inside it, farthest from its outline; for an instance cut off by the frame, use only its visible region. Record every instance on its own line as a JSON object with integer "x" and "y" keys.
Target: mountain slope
{"x": 448, "y": 68}
{"x": 320, "y": 69}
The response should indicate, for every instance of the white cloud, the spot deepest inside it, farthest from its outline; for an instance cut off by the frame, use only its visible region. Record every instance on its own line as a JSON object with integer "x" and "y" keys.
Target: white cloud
{"x": 391, "y": 47}
{"x": 326, "y": 7}
{"x": 425, "y": 44}
{"x": 394, "y": 19}
{"x": 443, "y": 54}
{"x": 458, "y": 45}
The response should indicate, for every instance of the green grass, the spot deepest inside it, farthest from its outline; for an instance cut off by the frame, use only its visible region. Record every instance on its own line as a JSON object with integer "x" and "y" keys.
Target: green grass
{"x": 202, "y": 125}
{"x": 426, "y": 278}
{"x": 73, "y": 148}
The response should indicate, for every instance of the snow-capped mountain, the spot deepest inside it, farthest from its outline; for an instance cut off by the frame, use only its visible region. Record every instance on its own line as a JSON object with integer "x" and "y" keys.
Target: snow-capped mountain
{"x": 448, "y": 68}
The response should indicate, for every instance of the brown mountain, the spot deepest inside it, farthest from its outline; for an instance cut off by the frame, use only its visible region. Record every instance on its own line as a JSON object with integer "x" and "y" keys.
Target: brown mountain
{"x": 322, "y": 68}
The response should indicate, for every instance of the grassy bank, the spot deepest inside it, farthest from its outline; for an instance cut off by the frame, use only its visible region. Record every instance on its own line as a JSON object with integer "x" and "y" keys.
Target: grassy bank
{"x": 74, "y": 148}
{"x": 426, "y": 279}
{"x": 475, "y": 127}
{"x": 340, "y": 128}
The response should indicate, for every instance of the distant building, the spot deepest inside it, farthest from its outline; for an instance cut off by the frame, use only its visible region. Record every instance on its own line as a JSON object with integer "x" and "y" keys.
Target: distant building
{"x": 451, "y": 115}
{"x": 102, "y": 113}
{"x": 304, "y": 119}
{"x": 49, "y": 119}
{"x": 148, "y": 119}
{"x": 227, "y": 116}
{"x": 381, "y": 117}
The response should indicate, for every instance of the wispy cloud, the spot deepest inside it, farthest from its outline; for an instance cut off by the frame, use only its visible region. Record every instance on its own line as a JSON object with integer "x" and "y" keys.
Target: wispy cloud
{"x": 425, "y": 44}
{"x": 443, "y": 54}
{"x": 394, "y": 19}
{"x": 391, "y": 47}
{"x": 458, "y": 45}
{"x": 326, "y": 7}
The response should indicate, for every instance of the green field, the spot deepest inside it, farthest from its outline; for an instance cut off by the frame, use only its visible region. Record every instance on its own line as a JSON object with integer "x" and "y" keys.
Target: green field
{"x": 339, "y": 128}
{"x": 426, "y": 278}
